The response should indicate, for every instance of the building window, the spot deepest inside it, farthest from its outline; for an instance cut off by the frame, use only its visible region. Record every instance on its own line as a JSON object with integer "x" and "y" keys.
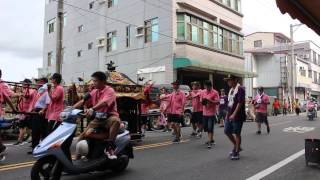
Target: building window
{"x": 315, "y": 77}
{"x": 51, "y": 25}
{"x": 112, "y": 3}
{"x": 111, "y": 41}
{"x": 180, "y": 27}
{"x": 232, "y": 4}
{"x": 79, "y": 53}
{"x": 207, "y": 34}
{"x": 80, "y": 28}
{"x": 90, "y": 45}
{"x": 314, "y": 57}
{"x": 151, "y": 30}
{"x": 50, "y": 57}
{"x": 302, "y": 71}
{"x": 310, "y": 73}
{"x": 128, "y": 32}
{"x": 91, "y": 5}
{"x": 257, "y": 43}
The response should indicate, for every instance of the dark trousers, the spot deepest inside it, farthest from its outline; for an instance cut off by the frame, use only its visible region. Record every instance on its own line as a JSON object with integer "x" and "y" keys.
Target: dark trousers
{"x": 52, "y": 125}
{"x": 284, "y": 111}
{"x": 39, "y": 128}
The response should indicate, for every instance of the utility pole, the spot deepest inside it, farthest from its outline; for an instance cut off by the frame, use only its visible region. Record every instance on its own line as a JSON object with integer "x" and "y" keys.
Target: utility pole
{"x": 59, "y": 38}
{"x": 292, "y": 67}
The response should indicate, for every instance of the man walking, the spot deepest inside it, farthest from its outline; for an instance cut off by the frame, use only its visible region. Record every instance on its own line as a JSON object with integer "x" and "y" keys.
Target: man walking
{"x": 236, "y": 115}
{"x": 210, "y": 101}
{"x": 196, "y": 120}
{"x": 57, "y": 102}
{"x": 175, "y": 117}
{"x": 285, "y": 107}
{"x": 261, "y": 102}
{"x": 40, "y": 105}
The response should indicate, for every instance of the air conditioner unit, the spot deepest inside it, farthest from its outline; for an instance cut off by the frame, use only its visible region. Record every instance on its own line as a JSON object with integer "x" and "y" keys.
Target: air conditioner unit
{"x": 306, "y": 56}
{"x": 101, "y": 42}
{"x": 140, "y": 31}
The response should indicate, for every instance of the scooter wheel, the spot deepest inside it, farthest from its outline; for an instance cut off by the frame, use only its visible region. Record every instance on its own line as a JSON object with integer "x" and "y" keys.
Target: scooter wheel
{"x": 42, "y": 169}
{"x": 122, "y": 165}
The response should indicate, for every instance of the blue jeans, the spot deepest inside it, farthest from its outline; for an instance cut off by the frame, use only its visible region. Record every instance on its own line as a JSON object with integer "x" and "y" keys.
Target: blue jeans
{"x": 233, "y": 127}
{"x": 208, "y": 123}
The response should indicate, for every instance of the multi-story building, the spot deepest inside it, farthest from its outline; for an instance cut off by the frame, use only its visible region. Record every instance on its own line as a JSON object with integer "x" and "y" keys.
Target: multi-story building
{"x": 268, "y": 53}
{"x": 162, "y": 40}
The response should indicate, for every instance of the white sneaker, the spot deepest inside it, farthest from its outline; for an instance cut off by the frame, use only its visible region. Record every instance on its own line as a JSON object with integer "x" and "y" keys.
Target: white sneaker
{"x": 110, "y": 154}
{"x": 2, "y": 158}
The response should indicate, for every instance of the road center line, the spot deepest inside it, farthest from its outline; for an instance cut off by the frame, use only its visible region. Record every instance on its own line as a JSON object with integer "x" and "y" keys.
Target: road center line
{"x": 277, "y": 166}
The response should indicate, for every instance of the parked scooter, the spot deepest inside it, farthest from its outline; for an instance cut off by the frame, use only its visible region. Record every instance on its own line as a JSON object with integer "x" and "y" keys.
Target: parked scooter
{"x": 55, "y": 156}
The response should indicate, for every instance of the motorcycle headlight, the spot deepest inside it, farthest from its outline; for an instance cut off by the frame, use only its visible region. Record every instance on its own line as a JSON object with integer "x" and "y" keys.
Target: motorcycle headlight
{"x": 64, "y": 115}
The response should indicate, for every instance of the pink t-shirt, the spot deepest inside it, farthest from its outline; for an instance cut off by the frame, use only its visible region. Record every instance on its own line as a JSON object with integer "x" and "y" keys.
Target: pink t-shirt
{"x": 177, "y": 102}
{"x": 56, "y": 105}
{"x": 5, "y": 91}
{"x": 108, "y": 95}
{"x": 196, "y": 100}
{"x": 144, "y": 108}
{"x": 27, "y": 100}
{"x": 211, "y": 108}
{"x": 261, "y": 103}
{"x": 164, "y": 102}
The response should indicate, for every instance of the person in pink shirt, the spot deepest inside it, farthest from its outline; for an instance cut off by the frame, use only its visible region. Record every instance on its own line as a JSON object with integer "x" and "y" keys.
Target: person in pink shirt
{"x": 144, "y": 120}
{"x": 164, "y": 106}
{"x": 175, "y": 116}
{"x": 25, "y": 105}
{"x": 56, "y": 94}
{"x": 103, "y": 102}
{"x": 210, "y": 102}
{"x": 4, "y": 98}
{"x": 261, "y": 102}
{"x": 196, "y": 120}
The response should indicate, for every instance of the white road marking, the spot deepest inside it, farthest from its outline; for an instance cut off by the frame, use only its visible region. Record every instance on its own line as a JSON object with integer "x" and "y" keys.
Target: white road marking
{"x": 277, "y": 166}
{"x": 298, "y": 129}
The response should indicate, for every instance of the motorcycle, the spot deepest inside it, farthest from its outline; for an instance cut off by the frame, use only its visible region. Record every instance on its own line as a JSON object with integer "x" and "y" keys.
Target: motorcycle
{"x": 54, "y": 156}
{"x": 311, "y": 113}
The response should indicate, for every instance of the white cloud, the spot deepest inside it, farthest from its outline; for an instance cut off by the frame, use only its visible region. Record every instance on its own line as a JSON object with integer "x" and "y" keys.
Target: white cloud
{"x": 264, "y": 15}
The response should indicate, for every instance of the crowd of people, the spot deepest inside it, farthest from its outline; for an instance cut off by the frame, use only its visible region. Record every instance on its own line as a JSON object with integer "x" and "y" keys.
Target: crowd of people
{"x": 39, "y": 108}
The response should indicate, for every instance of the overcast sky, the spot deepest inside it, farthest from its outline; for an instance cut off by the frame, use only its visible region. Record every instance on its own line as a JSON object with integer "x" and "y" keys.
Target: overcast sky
{"x": 22, "y": 32}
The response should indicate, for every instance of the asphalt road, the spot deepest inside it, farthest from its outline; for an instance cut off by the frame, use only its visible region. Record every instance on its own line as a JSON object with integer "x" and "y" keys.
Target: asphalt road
{"x": 269, "y": 157}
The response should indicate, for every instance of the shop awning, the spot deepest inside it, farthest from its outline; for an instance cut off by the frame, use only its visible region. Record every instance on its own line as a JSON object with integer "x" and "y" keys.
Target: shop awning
{"x": 307, "y": 11}
{"x": 194, "y": 64}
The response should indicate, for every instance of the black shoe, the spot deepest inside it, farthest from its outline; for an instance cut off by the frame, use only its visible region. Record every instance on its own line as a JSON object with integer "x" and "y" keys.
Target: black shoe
{"x": 29, "y": 152}
{"x": 258, "y": 132}
{"x": 209, "y": 145}
{"x": 193, "y": 134}
{"x": 17, "y": 143}
{"x": 176, "y": 140}
{"x": 268, "y": 130}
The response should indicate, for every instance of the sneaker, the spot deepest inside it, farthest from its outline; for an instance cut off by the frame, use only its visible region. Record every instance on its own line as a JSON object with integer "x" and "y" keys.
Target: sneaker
{"x": 199, "y": 135}
{"x": 176, "y": 140}
{"x": 209, "y": 145}
{"x": 17, "y": 143}
{"x": 30, "y": 152}
{"x": 3, "y": 150}
{"x": 235, "y": 156}
{"x": 213, "y": 142}
{"x": 2, "y": 158}
{"x": 193, "y": 134}
{"x": 258, "y": 132}
{"x": 110, "y": 153}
